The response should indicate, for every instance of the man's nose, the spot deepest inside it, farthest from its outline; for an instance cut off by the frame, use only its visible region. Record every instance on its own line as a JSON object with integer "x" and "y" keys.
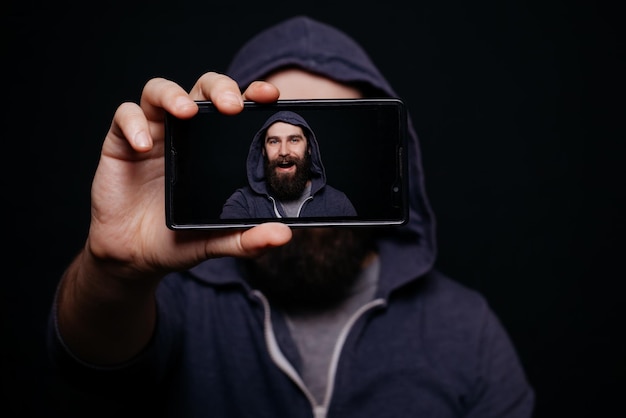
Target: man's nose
{"x": 284, "y": 149}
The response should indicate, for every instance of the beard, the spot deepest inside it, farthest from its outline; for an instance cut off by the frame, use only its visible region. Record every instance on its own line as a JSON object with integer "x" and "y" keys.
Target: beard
{"x": 286, "y": 186}
{"x": 315, "y": 270}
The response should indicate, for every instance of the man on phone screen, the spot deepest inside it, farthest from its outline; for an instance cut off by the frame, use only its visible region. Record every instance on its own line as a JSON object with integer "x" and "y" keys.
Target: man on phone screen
{"x": 286, "y": 177}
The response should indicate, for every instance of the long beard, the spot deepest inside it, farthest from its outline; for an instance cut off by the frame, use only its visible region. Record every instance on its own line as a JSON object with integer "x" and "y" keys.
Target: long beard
{"x": 287, "y": 187}
{"x": 316, "y": 269}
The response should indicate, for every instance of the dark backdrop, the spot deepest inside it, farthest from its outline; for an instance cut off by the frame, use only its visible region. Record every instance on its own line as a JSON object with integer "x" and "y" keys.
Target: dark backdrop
{"x": 518, "y": 106}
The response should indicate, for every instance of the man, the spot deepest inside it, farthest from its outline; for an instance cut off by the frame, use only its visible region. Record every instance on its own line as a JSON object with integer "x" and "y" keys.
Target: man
{"x": 197, "y": 324}
{"x": 285, "y": 175}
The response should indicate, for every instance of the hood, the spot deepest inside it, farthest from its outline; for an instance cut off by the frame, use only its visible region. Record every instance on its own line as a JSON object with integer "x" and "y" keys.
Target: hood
{"x": 407, "y": 251}
{"x": 255, "y": 161}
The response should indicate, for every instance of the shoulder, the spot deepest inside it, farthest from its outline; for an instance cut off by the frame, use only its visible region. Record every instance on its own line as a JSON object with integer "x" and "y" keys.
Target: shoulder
{"x": 446, "y": 291}
{"x": 330, "y": 192}
{"x": 445, "y": 308}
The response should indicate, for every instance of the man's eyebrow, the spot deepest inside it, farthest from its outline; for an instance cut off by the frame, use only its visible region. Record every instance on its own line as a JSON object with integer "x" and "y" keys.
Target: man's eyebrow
{"x": 288, "y": 136}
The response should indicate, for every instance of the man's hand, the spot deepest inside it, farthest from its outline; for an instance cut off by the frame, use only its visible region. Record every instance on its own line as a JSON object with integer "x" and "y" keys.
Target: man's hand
{"x": 128, "y": 215}
{"x": 106, "y": 306}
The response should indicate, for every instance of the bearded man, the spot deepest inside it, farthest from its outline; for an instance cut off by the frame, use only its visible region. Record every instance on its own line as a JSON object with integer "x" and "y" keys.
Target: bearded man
{"x": 286, "y": 176}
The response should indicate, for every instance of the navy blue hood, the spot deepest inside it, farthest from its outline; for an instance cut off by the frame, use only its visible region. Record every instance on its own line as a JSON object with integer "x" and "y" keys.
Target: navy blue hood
{"x": 308, "y": 44}
{"x": 408, "y": 251}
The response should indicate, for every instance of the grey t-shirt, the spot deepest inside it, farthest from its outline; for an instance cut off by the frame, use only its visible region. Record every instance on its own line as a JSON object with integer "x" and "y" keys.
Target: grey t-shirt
{"x": 315, "y": 333}
{"x": 292, "y": 207}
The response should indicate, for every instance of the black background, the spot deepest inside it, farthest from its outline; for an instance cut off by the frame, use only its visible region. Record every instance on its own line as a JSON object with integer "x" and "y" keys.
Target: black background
{"x": 518, "y": 105}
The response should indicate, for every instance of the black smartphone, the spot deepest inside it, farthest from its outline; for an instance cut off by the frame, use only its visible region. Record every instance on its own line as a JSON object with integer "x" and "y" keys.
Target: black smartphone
{"x": 301, "y": 162}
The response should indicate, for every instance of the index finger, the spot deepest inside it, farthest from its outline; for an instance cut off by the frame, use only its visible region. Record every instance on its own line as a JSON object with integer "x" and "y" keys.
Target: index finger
{"x": 160, "y": 93}
{"x": 222, "y": 90}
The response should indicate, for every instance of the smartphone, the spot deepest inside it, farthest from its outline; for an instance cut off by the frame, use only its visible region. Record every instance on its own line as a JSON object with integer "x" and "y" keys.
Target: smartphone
{"x": 215, "y": 177}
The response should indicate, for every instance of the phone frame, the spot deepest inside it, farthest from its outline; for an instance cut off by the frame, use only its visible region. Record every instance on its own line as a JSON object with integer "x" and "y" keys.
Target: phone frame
{"x": 180, "y": 212}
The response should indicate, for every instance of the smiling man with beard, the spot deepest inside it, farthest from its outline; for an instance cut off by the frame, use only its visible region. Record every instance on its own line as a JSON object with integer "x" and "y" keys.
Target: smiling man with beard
{"x": 286, "y": 178}
{"x": 287, "y": 158}
{"x": 326, "y": 323}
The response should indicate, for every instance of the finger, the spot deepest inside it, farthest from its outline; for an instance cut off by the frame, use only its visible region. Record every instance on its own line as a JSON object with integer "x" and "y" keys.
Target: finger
{"x": 222, "y": 90}
{"x": 130, "y": 123}
{"x": 264, "y": 236}
{"x": 249, "y": 243}
{"x": 262, "y": 92}
{"x": 160, "y": 93}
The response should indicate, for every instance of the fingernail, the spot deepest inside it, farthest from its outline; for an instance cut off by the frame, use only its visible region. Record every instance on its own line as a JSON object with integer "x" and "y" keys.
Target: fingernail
{"x": 142, "y": 140}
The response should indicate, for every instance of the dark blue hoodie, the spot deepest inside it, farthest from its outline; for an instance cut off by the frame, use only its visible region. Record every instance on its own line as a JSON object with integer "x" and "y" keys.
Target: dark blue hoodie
{"x": 426, "y": 346}
{"x": 255, "y": 200}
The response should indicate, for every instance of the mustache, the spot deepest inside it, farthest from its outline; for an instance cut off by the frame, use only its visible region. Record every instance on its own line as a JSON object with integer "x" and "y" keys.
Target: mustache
{"x": 284, "y": 161}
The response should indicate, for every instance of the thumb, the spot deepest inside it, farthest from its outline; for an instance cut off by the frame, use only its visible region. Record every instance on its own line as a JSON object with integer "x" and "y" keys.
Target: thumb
{"x": 253, "y": 241}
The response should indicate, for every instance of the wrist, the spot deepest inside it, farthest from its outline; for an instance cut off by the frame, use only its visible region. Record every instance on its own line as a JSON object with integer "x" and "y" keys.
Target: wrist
{"x": 104, "y": 318}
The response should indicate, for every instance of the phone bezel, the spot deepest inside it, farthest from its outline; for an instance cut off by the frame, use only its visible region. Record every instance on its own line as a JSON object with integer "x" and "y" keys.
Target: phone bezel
{"x": 400, "y": 198}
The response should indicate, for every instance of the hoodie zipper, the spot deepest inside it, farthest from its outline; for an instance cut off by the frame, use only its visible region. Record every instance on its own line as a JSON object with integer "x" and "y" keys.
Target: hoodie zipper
{"x": 302, "y": 205}
{"x": 277, "y": 213}
{"x": 319, "y": 411}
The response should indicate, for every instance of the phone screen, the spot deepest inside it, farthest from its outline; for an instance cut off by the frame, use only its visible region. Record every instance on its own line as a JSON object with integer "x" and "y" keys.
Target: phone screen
{"x": 355, "y": 175}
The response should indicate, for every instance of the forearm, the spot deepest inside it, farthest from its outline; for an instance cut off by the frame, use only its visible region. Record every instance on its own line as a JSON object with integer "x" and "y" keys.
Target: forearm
{"x": 104, "y": 319}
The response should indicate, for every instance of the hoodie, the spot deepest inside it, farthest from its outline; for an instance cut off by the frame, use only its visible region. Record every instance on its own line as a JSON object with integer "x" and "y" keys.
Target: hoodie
{"x": 255, "y": 200}
{"x": 424, "y": 346}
